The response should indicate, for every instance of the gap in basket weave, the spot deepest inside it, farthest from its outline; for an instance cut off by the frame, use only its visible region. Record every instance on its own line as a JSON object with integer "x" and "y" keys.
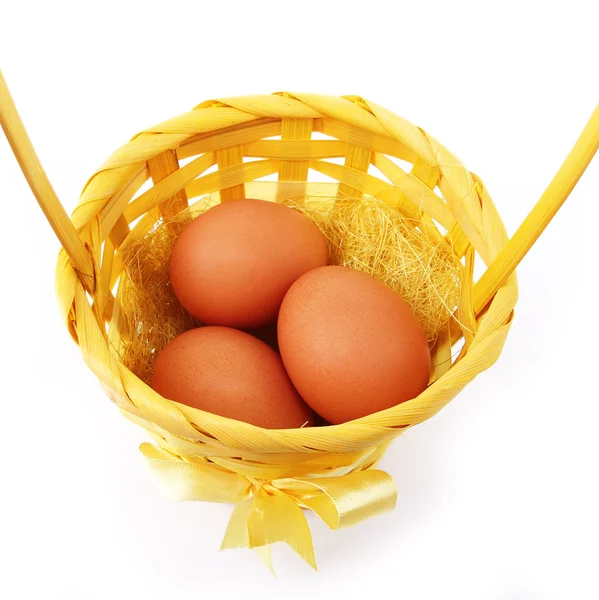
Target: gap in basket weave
{"x": 362, "y": 233}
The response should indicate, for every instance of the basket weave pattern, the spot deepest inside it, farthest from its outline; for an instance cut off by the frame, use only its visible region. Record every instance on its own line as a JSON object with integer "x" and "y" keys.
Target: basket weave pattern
{"x": 212, "y": 141}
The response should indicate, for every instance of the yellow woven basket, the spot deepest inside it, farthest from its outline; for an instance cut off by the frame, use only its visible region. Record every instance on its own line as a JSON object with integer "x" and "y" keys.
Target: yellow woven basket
{"x": 271, "y": 475}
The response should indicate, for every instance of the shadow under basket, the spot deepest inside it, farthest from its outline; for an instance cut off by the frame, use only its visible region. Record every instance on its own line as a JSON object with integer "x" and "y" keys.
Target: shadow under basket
{"x": 254, "y": 146}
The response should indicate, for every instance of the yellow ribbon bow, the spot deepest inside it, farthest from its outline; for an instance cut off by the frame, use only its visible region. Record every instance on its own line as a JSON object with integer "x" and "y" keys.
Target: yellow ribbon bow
{"x": 271, "y": 511}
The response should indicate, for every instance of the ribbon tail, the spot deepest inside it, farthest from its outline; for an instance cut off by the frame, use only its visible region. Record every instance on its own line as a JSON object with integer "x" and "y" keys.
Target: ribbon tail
{"x": 265, "y": 556}
{"x": 269, "y": 517}
{"x": 278, "y": 518}
{"x": 237, "y": 534}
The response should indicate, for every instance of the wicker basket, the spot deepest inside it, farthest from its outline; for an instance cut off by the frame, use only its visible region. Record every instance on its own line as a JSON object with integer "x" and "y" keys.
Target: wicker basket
{"x": 270, "y": 474}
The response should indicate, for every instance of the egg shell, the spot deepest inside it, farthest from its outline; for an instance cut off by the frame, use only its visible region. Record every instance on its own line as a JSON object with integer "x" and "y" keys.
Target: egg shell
{"x": 233, "y": 264}
{"x": 229, "y": 373}
{"x": 350, "y": 345}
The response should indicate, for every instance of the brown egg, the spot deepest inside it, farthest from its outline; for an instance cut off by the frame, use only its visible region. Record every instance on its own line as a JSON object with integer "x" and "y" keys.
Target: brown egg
{"x": 351, "y": 346}
{"x": 229, "y": 373}
{"x": 233, "y": 264}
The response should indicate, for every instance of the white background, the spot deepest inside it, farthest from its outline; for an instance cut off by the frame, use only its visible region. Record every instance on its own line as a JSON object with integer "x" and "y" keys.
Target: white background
{"x": 498, "y": 493}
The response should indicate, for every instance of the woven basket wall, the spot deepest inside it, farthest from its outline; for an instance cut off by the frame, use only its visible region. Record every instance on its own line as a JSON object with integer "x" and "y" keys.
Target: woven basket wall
{"x": 296, "y": 138}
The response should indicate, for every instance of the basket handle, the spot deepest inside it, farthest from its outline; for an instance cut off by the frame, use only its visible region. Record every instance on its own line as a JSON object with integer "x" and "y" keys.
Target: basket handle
{"x": 535, "y": 223}
{"x": 42, "y": 188}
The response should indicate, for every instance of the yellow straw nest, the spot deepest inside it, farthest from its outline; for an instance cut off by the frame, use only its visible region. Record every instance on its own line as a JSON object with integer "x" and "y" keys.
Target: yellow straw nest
{"x": 151, "y": 315}
{"x": 363, "y": 233}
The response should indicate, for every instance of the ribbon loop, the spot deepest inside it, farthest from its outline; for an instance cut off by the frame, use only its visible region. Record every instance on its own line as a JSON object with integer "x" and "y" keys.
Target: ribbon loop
{"x": 184, "y": 480}
{"x": 344, "y": 501}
